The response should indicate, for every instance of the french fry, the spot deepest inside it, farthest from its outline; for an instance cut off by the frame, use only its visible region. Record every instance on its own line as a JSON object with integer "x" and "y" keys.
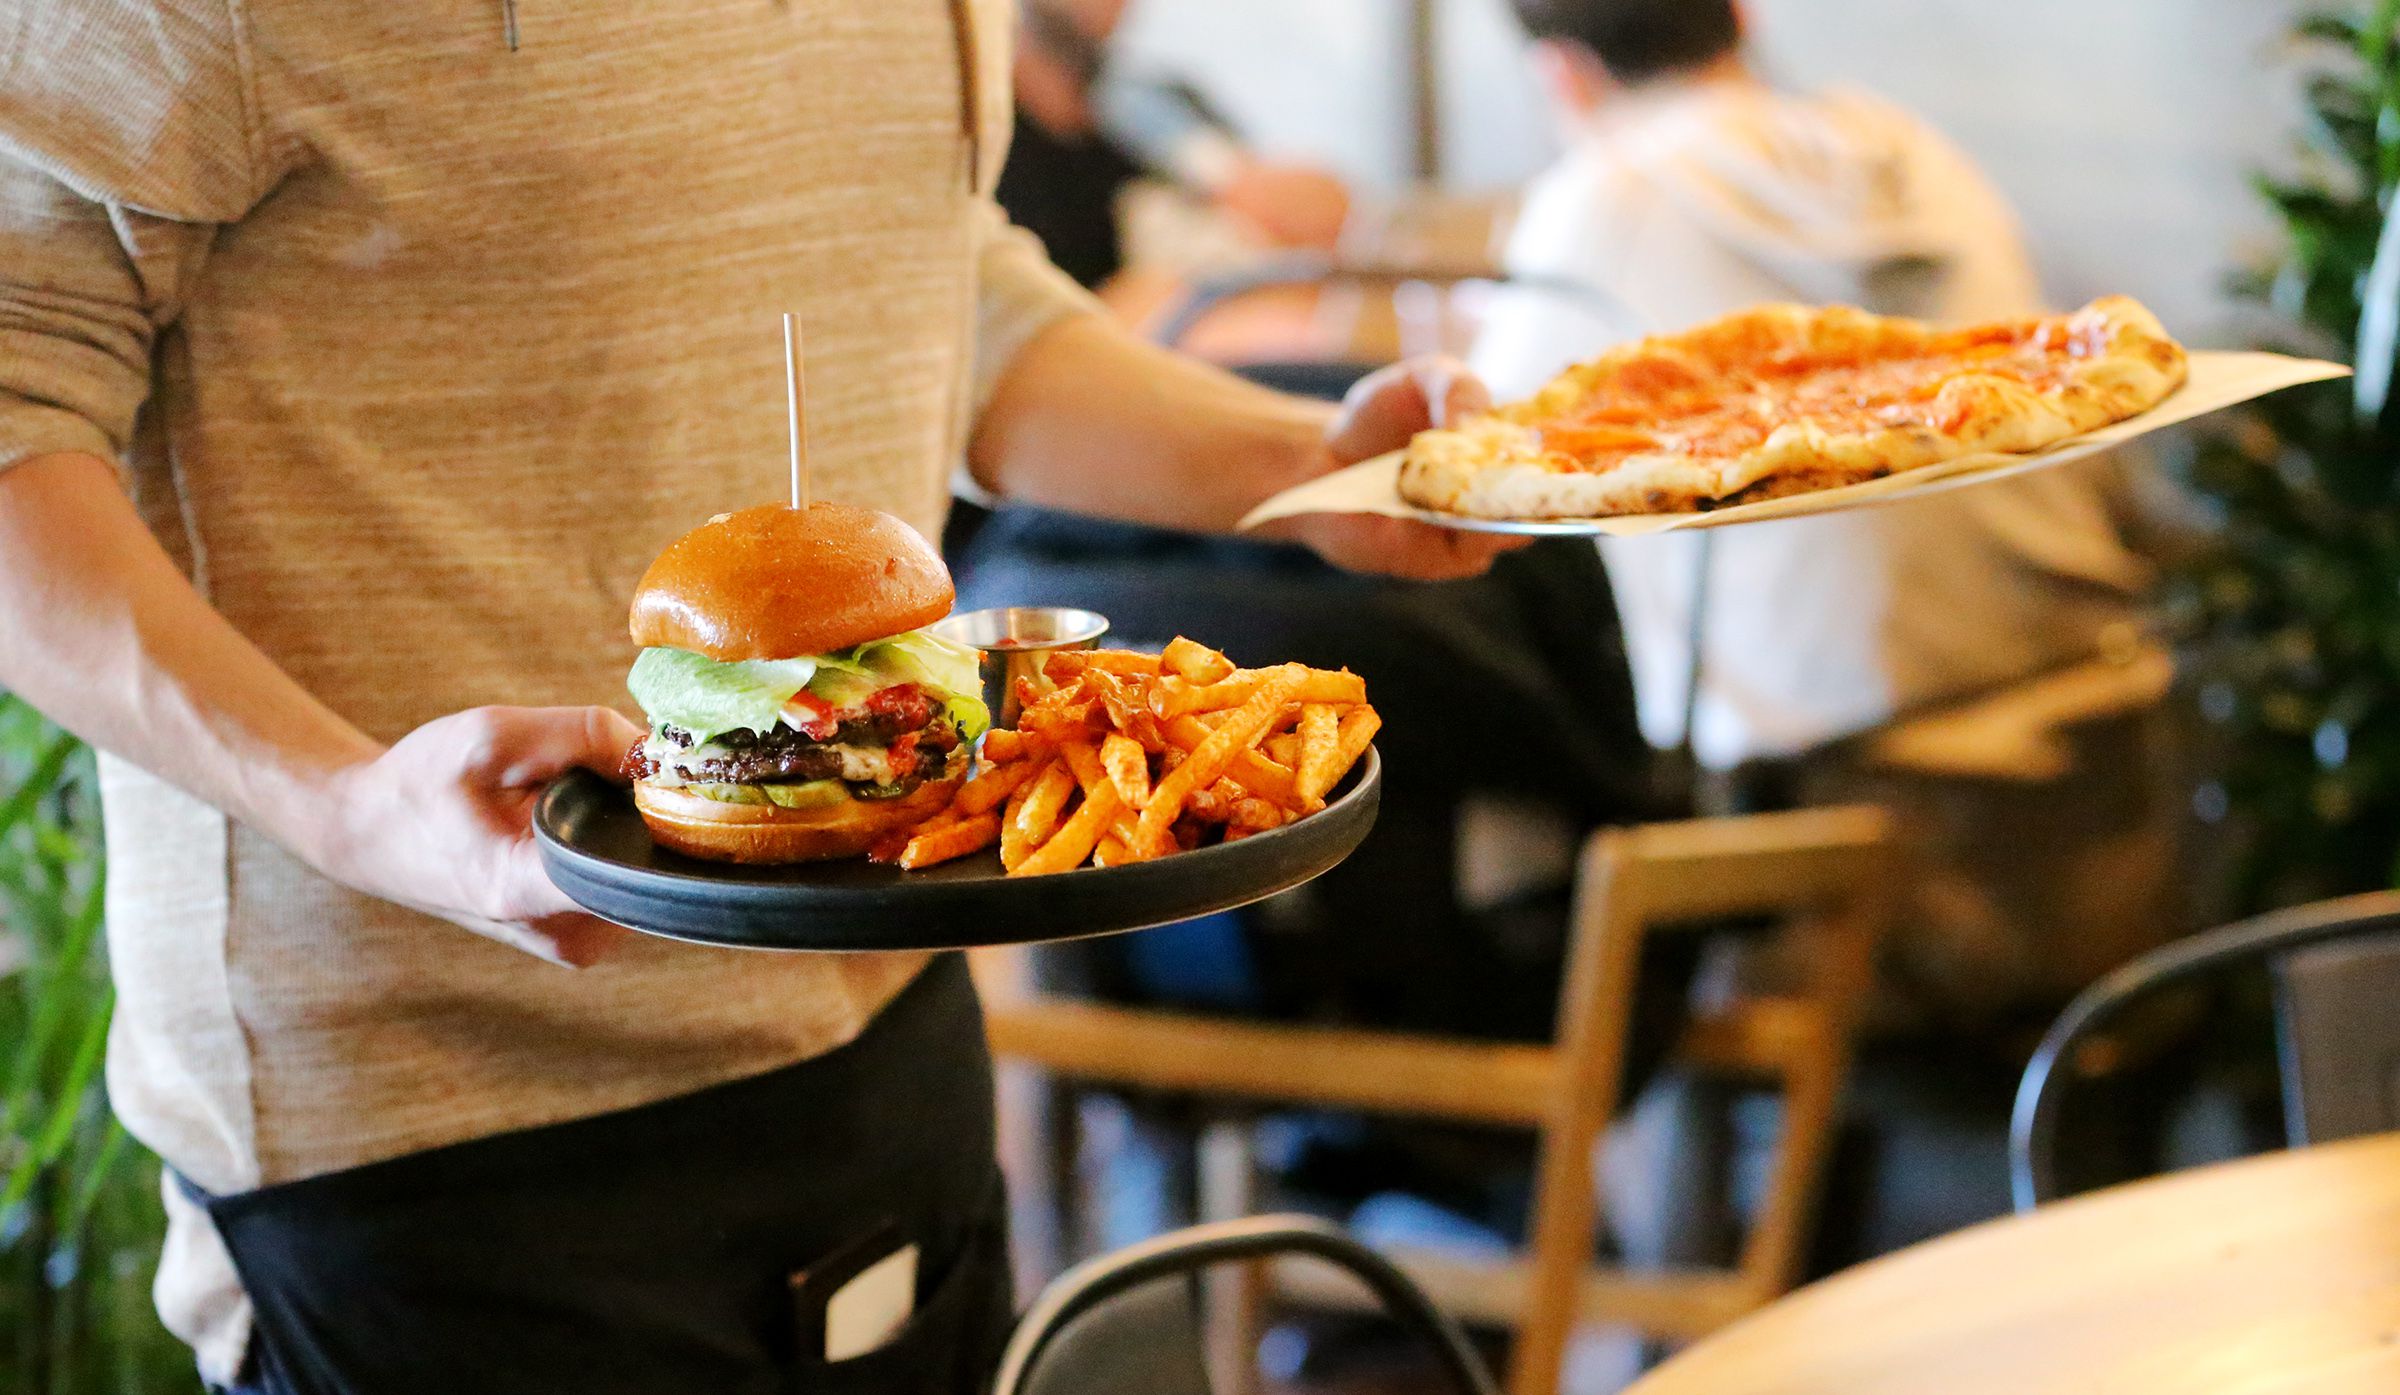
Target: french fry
{"x": 1256, "y": 815}
{"x": 1127, "y": 703}
{"x": 1209, "y": 759}
{"x": 1195, "y": 662}
{"x": 994, "y": 783}
{"x": 1128, "y": 767}
{"x": 1320, "y": 744}
{"x": 1357, "y": 732}
{"x": 1253, "y": 771}
{"x": 1214, "y": 804}
{"x": 1063, "y": 666}
{"x": 1076, "y": 838}
{"x": 1119, "y": 757}
{"x": 940, "y": 843}
{"x": 1174, "y": 697}
{"x": 1062, "y": 722}
{"x": 1319, "y": 685}
{"x": 1013, "y": 846}
{"x": 1045, "y": 799}
{"x": 1339, "y": 686}
{"x": 1083, "y": 758}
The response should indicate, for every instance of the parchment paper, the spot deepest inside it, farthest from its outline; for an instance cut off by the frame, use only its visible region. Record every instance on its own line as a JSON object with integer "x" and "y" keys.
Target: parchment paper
{"x": 2218, "y": 381}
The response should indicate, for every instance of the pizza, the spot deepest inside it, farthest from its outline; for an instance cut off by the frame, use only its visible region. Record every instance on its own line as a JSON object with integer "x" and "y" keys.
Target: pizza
{"x": 1786, "y": 399}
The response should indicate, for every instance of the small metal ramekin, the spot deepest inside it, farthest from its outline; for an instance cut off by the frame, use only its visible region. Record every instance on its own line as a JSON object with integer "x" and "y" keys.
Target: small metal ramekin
{"x": 1015, "y": 642}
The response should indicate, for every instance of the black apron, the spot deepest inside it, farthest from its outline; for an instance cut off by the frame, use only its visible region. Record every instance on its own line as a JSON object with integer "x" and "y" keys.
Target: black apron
{"x": 651, "y": 1251}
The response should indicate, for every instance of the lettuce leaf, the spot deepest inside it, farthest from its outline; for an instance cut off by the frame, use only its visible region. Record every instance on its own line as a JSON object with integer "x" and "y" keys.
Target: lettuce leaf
{"x": 706, "y": 698}
{"x": 842, "y": 685}
{"x": 969, "y": 713}
{"x": 924, "y": 658}
{"x": 945, "y": 667}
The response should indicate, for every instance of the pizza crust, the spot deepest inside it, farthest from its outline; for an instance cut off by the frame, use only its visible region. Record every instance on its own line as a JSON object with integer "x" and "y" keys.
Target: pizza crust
{"x": 1496, "y": 465}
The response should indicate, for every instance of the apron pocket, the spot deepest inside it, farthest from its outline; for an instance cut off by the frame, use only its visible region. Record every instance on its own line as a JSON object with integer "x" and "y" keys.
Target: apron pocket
{"x": 951, "y": 1343}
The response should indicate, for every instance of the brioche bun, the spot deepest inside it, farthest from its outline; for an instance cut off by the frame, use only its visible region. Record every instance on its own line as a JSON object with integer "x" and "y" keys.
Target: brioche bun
{"x": 697, "y": 826}
{"x": 775, "y": 582}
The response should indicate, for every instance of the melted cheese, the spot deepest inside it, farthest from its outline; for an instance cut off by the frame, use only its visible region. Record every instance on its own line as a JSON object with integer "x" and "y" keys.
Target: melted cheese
{"x": 1654, "y": 404}
{"x": 865, "y": 765}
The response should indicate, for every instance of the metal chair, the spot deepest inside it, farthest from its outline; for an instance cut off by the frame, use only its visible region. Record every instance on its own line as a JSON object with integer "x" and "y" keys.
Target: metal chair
{"x": 1131, "y": 1321}
{"x": 1393, "y": 280}
{"x": 1825, "y": 873}
{"x": 2337, "y": 979}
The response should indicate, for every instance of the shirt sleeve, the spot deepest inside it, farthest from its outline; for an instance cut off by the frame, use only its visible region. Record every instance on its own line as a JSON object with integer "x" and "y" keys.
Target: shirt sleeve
{"x": 1569, "y": 231}
{"x": 1018, "y": 295}
{"x": 76, "y": 319}
{"x": 127, "y": 135}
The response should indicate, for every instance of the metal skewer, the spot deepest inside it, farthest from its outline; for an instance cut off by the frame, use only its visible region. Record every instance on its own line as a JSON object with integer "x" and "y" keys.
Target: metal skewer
{"x": 795, "y": 405}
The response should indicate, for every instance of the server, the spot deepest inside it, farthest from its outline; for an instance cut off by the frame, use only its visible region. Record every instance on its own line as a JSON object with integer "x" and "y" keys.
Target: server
{"x": 354, "y": 361}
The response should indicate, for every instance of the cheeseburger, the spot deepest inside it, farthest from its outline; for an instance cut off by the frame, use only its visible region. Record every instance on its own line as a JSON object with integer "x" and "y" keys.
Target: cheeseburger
{"x": 797, "y": 712}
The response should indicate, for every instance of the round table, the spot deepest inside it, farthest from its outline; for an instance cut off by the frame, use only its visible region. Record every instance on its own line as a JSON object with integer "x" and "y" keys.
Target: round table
{"x": 2270, "y": 1276}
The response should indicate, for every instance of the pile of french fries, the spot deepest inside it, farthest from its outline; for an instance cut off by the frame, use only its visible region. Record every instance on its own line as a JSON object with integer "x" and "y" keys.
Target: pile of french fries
{"x": 1129, "y": 756}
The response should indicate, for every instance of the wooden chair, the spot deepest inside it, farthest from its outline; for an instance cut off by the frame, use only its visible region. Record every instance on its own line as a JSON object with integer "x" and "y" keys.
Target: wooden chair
{"x": 1822, "y": 872}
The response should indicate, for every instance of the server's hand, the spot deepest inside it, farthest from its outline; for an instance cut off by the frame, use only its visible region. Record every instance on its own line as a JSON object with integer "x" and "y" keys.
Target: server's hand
{"x": 442, "y": 822}
{"x": 1380, "y": 414}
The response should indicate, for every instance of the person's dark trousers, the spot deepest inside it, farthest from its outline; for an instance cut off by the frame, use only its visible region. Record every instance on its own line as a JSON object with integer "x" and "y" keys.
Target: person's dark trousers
{"x": 652, "y": 1251}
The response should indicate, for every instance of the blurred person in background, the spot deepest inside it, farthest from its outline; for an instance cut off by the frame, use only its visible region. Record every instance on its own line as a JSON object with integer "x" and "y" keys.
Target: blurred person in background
{"x": 1905, "y": 655}
{"x": 1086, "y": 133}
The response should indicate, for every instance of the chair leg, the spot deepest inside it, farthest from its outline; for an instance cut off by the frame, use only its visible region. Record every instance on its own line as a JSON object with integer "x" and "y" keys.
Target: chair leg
{"x": 1565, "y": 1215}
{"x": 1771, "y": 1259}
{"x": 1237, "y": 1293}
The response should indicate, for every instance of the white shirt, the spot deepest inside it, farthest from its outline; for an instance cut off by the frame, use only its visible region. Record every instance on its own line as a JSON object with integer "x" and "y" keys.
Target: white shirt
{"x": 1683, "y": 204}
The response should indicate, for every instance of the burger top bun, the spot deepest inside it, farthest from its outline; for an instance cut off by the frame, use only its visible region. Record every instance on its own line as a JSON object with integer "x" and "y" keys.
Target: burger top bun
{"x": 775, "y": 582}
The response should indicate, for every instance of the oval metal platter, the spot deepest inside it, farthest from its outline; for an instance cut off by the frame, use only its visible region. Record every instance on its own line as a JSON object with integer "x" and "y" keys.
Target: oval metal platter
{"x": 597, "y": 849}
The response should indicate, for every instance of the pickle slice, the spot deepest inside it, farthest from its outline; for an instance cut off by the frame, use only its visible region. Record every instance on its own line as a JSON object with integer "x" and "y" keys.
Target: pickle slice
{"x": 814, "y": 794}
{"x": 726, "y": 794}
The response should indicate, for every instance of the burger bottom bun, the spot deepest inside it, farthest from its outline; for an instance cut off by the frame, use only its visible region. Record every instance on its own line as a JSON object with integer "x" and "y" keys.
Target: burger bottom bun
{"x": 765, "y": 833}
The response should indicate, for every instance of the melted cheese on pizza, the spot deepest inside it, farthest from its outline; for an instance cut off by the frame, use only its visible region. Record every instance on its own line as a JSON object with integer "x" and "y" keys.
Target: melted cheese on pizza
{"x": 1726, "y": 397}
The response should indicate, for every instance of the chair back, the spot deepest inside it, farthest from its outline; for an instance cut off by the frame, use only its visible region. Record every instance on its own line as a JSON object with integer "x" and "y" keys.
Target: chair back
{"x": 2337, "y": 1023}
{"x": 1413, "y": 295}
{"x": 1130, "y": 1322}
{"x": 2337, "y": 967}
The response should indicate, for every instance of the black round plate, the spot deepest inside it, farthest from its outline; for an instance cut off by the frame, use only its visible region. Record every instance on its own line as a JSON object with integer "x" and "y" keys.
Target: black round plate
{"x": 597, "y": 849}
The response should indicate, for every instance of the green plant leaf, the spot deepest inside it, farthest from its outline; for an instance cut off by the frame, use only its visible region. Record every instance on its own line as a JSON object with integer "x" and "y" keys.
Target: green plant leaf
{"x": 2332, "y": 27}
{"x": 97, "y": 1173}
{"x": 70, "y": 1102}
{"x": 52, "y": 1010}
{"x": 37, "y": 784}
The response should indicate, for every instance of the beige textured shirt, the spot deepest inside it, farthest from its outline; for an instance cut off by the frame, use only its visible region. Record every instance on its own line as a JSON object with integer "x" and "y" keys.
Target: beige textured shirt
{"x": 417, "y": 350}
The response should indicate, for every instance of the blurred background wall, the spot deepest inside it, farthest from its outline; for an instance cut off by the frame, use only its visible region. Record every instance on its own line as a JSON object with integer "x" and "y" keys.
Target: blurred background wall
{"x": 2168, "y": 104}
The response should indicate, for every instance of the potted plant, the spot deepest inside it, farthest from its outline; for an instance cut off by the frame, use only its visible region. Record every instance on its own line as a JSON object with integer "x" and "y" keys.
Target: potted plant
{"x": 80, "y": 1218}
{"x": 2295, "y": 608}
